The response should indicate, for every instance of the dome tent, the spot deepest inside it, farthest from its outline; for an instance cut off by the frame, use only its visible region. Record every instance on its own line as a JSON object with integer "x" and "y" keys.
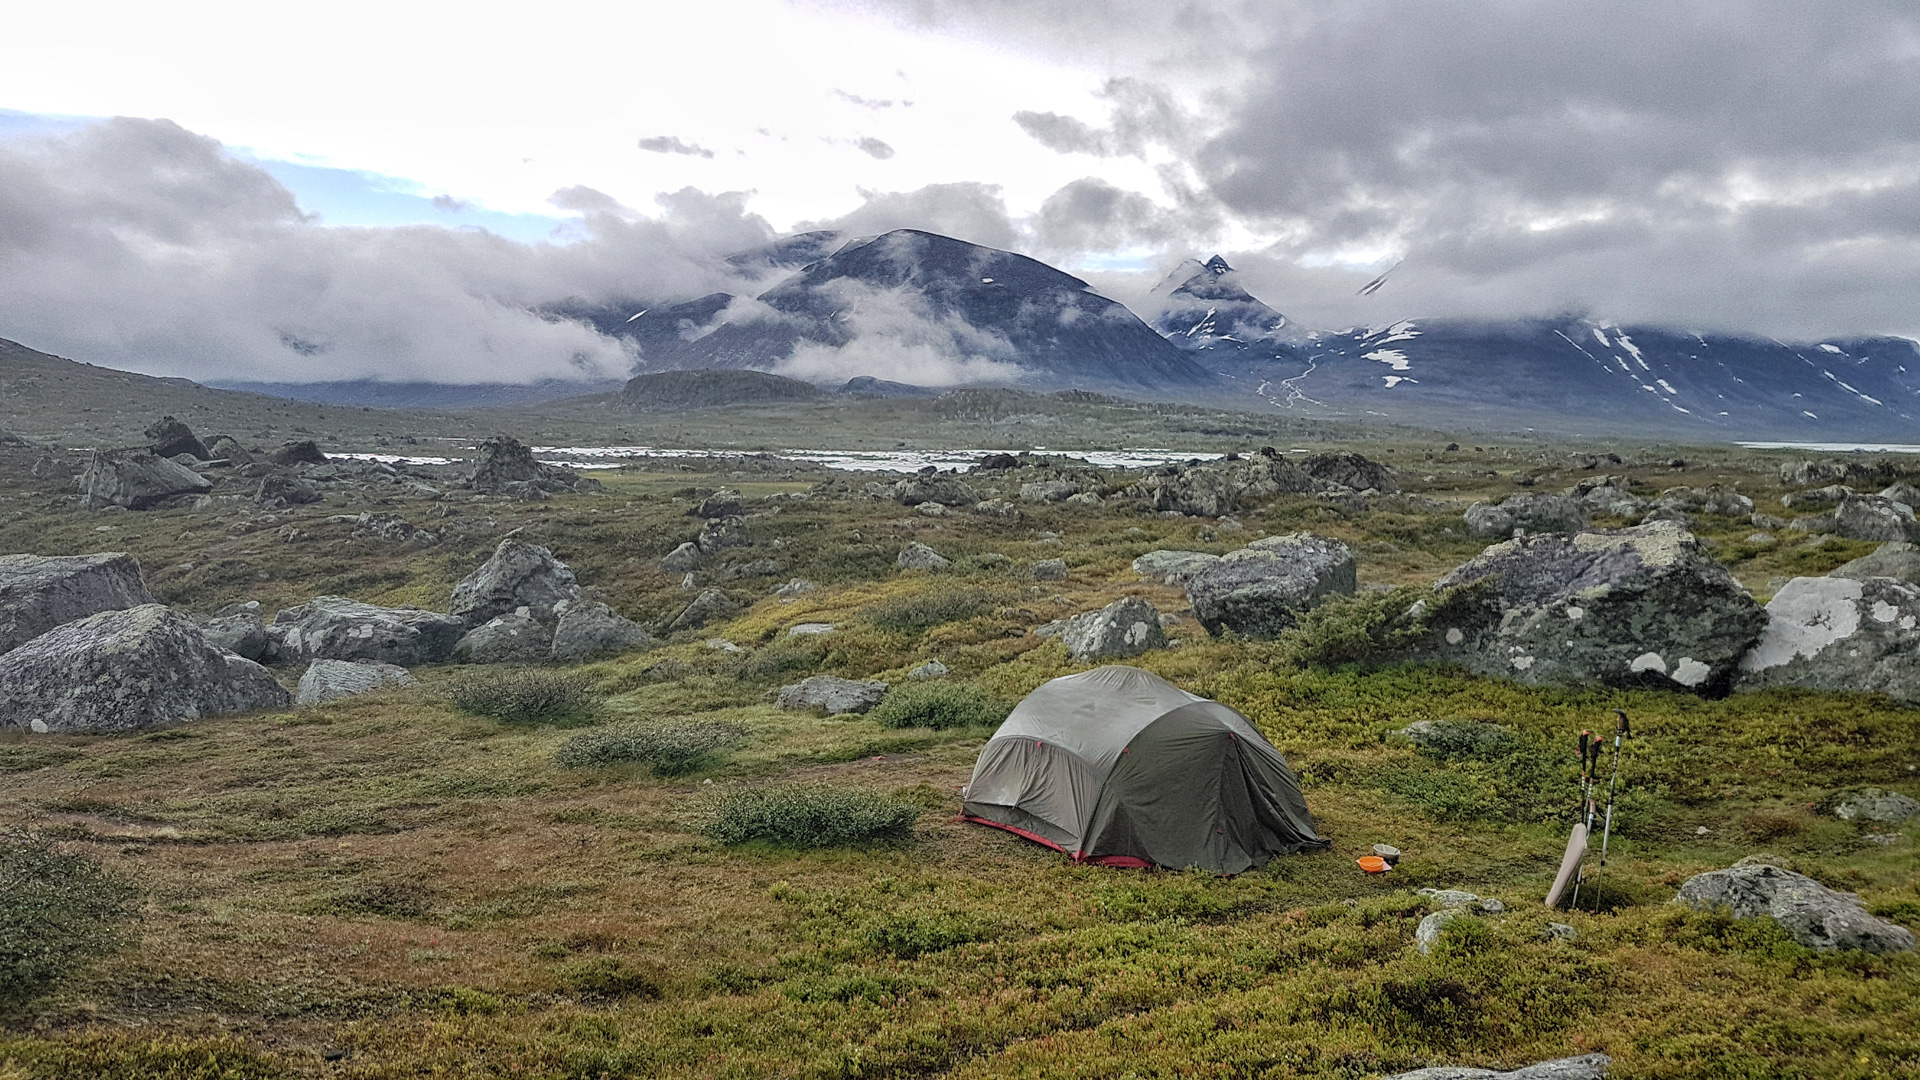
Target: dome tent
{"x": 1120, "y": 767}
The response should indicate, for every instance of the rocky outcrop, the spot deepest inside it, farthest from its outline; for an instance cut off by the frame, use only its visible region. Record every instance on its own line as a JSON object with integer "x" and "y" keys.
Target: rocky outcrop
{"x": 1712, "y": 499}
{"x": 1048, "y": 491}
{"x": 1351, "y": 471}
{"x": 1127, "y": 627}
{"x": 515, "y": 637}
{"x": 137, "y": 481}
{"x": 336, "y": 628}
{"x": 1623, "y": 607}
{"x": 933, "y": 488}
{"x": 1864, "y": 517}
{"x": 503, "y": 465}
{"x": 1261, "y": 589}
{"x": 1584, "y": 1067}
{"x": 1814, "y": 497}
{"x": 517, "y": 575}
{"x": 40, "y": 592}
{"x": 1833, "y": 633}
{"x": 331, "y": 680}
{"x": 1217, "y": 488}
{"x": 124, "y": 671}
{"x": 1897, "y": 559}
{"x": 1814, "y": 915}
{"x": 1805, "y": 473}
{"x": 918, "y": 556}
{"x": 1607, "y": 495}
{"x": 711, "y": 605}
{"x": 587, "y": 629}
{"x": 832, "y": 695}
{"x": 1173, "y": 567}
{"x": 167, "y": 437}
{"x": 1528, "y": 514}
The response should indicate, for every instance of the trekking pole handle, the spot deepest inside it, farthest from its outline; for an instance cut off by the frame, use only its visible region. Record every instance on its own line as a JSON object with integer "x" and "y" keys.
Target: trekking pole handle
{"x": 1623, "y": 729}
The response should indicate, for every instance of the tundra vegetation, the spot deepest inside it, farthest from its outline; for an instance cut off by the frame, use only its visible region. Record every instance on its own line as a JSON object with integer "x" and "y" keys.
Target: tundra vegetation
{"x": 640, "y": 866}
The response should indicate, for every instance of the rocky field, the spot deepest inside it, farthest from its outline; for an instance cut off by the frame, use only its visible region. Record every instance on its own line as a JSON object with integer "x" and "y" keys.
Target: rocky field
{"x": 318, "y": 767}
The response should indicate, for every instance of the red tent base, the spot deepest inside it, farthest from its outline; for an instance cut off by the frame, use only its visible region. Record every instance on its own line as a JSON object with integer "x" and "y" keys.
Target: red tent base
{"x": 1124, "y": 862}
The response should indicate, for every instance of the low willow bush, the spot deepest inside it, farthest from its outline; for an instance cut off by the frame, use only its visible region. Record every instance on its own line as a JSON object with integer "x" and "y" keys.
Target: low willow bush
{"x": 524, "y": 696}
{"x": 924, "y": 610}
{"x": 56, "y": 911}
{"x": 810, "y": 816}
{"x": 669, "y": 749}
{"x": 1378, "y": 628}
{"x": 939, "y": 705}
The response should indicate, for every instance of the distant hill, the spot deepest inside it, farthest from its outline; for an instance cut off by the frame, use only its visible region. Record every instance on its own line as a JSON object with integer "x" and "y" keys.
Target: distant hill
{"x": 424, "y": 395}
{"x": 677, "y": 391}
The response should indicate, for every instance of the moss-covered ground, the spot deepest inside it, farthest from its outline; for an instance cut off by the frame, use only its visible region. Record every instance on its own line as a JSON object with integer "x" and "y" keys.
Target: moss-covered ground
{"x": 387, "y": 887}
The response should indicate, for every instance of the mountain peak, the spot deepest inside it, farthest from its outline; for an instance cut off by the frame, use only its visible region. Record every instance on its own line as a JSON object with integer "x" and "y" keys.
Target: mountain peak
{"x": 1218, "y": 265}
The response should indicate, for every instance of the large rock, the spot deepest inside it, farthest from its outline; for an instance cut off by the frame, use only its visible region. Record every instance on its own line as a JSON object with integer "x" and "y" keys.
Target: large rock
{"x": 136, "y": 480}
{"x": 503, "y": 465}
{"x": 227, "y": 448}
{"x": 1529, "y": 513}
{"x": 297, "y": 452}
{"x": 1218, "y": 488}
{"x": 587, "y": 630}
{"x": 127, "y": 670}
{"x": 918, "y": 556}
{"x": 243, "y": 634}
{"x": 1351, "y": 470}
{"x": 336, "y": 628}
{"x": 722, "y": 534}
{"x": 721, "y": 504}
{"x": 1804, "y": 473}
{"x": 1874, "y": 805}
{"x": 1830, "y": 495}
{"x": 1261, "y": 589}
{"x": 1584, "y": 1067}
{"x": 1875, "y": 517}
{"x": 682, "y": 559}
{"x": 168, "y": 436}
{"x": 279, "y": 490}
{"x": 1173, "y": 567}
{"x": 1127, "y": 627}
{"x": 711, "y": 605}
{"x": 832, "y": 695}
{"x": 1712, "y": 499}
{"x": 1048, "y": 491}
{"x": 40, "y": 592}
{"x": 1814, "y": 915}
{"x": 518, "y": 575}
{"x": 330, "y": 680}
{"x": 512, "y": 638}
{"x": 945, "y": 490}
{"x": 1623, "y": 607}
{"x": 1831, "y": 633}
{"x": 1896, "y": 559}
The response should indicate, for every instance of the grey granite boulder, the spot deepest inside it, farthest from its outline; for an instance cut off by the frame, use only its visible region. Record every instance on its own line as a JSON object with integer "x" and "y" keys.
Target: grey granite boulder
{"x": 137, "y": 481}
{"x": 1639, "y": 606}
{"x": 278, "y": 490}
{"x": 40, "y": 592}
{"x": 227, "y": 448}
{"x": 336, "y": 628}
{"x": 1352, "y": 471}
{"x": 682, "y": 559}
{"x": 127, "y": 670}
{"x": 1049, "y": 570}
{"x": 1221, "y": 487}
{"x": 297, "y": 452}
{"x": 168, "y": 436}
{"x": 1173, "y": 567}
{"x": 1814, "y": 915}
{"x": 1824, "y": 496}
{"x": 1529, "y": 513}
{"x": 1584, "y": 1067}
{"x": 513, "y": 638}
{"x": 1896, "y": 559}
{"x": 997, "y": 509}
{"x": 918, "y": 556}
{"x": 1261, "y": 589}
{"x": 1712, "y": 499}
{"x": 721, "y": 504}
{"x": 1608, "y": 495}
{"x": 721, "y": 534}
{"x": 1874, "y": 805}
{"x": 1127, "y": 627}
{"x": 1048, "y": 491}
{"x": 945, "y": 490}
{"x": 832, "y": 695}
{"x": 1833, "y": 633}
{"x": 932, "y": 669}
{"x": 1875, "y": 517}
{"x": 711, "y": 605}
{"x": 517, "y": 575}
{"x": 502, "y": 465}
{"x": 589, "y": 629}
{"x": 243, "y": 634}
{"x": 330, "y": 680}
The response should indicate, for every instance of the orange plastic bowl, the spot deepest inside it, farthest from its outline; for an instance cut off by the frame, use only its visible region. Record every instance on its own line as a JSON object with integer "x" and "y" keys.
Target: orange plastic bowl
{"x": 1373, "y": 864}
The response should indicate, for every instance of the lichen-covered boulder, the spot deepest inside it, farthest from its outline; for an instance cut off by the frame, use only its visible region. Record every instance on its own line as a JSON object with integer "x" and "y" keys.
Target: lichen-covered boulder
{"x": 127, "y": 670}
{"x": 711, "y": 605}
{"x": 918, "y": 556}
{"x": 1875, "y": 517}
{"x": 137, "y": 481}
{"x": 242, "y": 634}
{"x": 1534, "y": 512}
{"x": 1814, "y": 915}
{"x": 40, "y": 592}
{"x": 278, "y": 490}
{"x": 517, "y": 575}
{"x": 681, "y": 559}
{"x": 945, "y": 490}
{"x": 1173, "y": 567}
{"x": 1048, "y": 491}
{"x": 586, "y": 630}
{"x": 1825, "y": 496}
{"x": 1874, "y": 805}
{"x": 336, "y": 628}
{"x": 1217, "y": 488}
{"x": 832, "y": 695}
{"x": 1832, "y": 633}
{"x": 331, "y": 680}
{"x": 1353, "y": 471}
{"x": 1645, "y": 605}
{"x": 1127, "y": 627}
{"x": 1895, "y": 559}
{"x": 1049, "y": 570}
{"x": 168, "y": 436}
{"x": 515, "y": 637}
{"x": 1261, "y": 589}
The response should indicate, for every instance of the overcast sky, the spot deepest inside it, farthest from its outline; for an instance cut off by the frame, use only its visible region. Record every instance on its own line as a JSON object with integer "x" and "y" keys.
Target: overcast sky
{"x": 383, "y": 189}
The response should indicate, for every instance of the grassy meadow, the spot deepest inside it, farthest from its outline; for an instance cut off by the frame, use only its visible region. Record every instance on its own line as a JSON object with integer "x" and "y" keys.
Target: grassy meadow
{"x": 392, "y": 886}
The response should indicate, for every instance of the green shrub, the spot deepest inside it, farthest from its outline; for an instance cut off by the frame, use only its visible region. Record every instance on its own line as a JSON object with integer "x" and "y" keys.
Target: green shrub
{"x": 939, "y": 705}
{"x": 608, "y": 978}
{"x": 784, "y": 658}
{"x": 524, "y": 696}
{"x": 810, "y": 815}
{"x": 671, "y": 749}
{"x": 910, "y": 936}
{"x": 56, "y": 911}
{"x": 925, "y": 610}
{"x": 1373, "y": 628}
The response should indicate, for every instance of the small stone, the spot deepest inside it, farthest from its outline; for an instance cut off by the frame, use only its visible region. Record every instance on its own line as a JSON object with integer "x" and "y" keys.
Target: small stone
{"x": 796, "y": 587}
{"x": 1050, "y": 570}
{"x": 932, "y": 509}
{"x": 932, "y": 669}
{"x": 832, "y": 694}
{"x": 807, "y": 629}
{"x": 918, "y": 556}
{"x": 1427, "y": 934}
{"x": 1559, "y": 931}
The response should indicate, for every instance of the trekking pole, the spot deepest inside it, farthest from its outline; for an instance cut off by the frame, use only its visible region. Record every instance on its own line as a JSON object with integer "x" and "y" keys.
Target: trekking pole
{"x": 1588, "y": 745}
{"x": 1620, "y": 732}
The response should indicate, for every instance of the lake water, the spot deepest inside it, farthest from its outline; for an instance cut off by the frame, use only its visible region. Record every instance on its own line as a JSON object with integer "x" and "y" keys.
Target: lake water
{"x": 1837, "y": 447}
{"x": 892, "y": 461}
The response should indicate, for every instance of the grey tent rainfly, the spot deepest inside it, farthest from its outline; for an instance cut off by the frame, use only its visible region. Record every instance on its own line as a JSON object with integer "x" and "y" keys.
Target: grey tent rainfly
{"x": 1119, "y": 767}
